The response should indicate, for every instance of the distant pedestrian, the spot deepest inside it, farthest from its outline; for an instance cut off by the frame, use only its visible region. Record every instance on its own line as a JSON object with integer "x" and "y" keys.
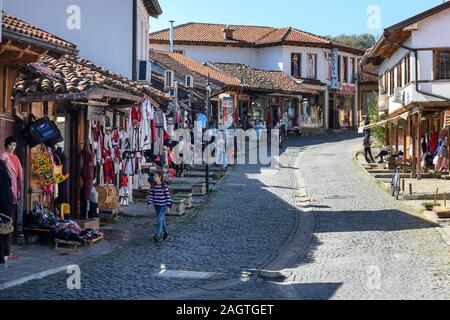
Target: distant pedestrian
{"x": 159, "y": 196}
{"x": 367, "y": 142}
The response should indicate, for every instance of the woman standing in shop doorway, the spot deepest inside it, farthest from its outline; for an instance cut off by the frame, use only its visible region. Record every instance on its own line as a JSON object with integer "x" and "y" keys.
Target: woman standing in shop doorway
{"x": 5, "y": 208}
{"x": 159, "y": 197}
{"x": 16, "y": 172}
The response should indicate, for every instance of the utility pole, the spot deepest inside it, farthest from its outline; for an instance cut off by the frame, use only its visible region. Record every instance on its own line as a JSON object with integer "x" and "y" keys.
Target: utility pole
{"x": 208, "y": 115}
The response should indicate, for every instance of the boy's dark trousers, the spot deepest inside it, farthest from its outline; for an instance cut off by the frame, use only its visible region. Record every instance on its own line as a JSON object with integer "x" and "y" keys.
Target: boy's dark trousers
{"x": 367, "y": 153}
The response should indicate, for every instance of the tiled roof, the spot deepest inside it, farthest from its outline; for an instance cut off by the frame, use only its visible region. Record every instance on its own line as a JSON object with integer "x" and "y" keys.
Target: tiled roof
{"x": 21, "y": 28}
{"x": 153, "y": 8}
{"x": 367, "y": 73}
{"x": 72, "y": 75}
{"x": 246, "y": 36}
{"x": 184, "y": 66}
{"x": 271, "y": 81}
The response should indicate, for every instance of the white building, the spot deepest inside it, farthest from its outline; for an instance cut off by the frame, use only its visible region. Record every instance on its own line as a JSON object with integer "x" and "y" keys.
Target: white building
{"x": 302, "y": 55}
{"x": 111, "y": 33}
{"x": 414, "y": 68}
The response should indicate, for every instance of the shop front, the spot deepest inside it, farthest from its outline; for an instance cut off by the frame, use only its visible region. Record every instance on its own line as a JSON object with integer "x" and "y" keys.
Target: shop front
{"x": 95, "y": 134}
{"x": 312, "y": 112}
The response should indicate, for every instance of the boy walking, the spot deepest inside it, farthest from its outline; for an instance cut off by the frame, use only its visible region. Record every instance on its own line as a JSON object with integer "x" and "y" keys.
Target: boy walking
{"x": 159, "y": 196}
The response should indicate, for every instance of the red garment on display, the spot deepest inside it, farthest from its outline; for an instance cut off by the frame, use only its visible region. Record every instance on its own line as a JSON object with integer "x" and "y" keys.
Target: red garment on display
{"x": 433, "y": 142}
{"x": 116, "y": 136}
{"x": 136, "y": 113}
{"x": 166, "y": 136}
{"x": 124, "y": 181}
{"x": 153, "y": 126}
{"x": 108, "y": 168}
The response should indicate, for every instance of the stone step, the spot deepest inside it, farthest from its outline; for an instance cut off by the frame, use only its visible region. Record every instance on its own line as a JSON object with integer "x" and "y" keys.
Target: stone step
{"x": 191, "y": 181}
{"x": 375, "y": 171}
{"x": 390, "y": 175}
{"x": 201, "y": 168}
{"x": 198, "y": 174}
{"x": 181, "y": 187}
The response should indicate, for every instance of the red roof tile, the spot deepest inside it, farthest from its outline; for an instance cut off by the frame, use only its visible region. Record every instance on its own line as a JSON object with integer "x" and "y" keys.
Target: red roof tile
{"x": 270, "y": 81}
{"x": 15, "y": 25}
{"x": 184, "y": 66}
{"x": 73, "y": 75}
{"x": 246, "y": 36}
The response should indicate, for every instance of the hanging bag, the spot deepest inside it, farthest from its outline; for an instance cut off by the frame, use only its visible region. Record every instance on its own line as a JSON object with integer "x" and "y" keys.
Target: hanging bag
{"x": 42, "y": 131}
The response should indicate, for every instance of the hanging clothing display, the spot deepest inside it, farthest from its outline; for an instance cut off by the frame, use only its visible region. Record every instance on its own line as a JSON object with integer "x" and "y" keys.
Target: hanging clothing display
{"x": 128, "y": 163}
{"x": 108, "y": 168}
{"x": 88, "y": 172}
{"x": 63, "y": 188}
{"x": 146, "y": 132}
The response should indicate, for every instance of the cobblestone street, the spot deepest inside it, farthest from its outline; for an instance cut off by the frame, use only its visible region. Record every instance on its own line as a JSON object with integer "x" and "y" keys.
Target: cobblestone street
{"x": 361, "y": 243}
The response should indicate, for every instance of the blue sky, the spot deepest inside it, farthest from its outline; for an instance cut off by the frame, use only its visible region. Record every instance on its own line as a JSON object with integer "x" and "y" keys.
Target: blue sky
{"x": 323, "y": 17}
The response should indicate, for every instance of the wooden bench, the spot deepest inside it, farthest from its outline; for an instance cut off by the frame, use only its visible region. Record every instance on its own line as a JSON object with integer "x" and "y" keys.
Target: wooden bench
{"x": 46, "y": 234}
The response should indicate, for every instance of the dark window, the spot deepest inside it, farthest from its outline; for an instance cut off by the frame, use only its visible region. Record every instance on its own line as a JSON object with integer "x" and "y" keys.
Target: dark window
{"x": 345, "y": 69}
{"x": 391, "y": 82}
{"x": 352, "y": 66}
{"x": 296, "y": 65}
{"x": 443, "y": 65}
{"x": 408, "y": 69}
{"x": 386, "y": 83}
{"x": 339, "y": 68}
{"x": 399, "y": 75}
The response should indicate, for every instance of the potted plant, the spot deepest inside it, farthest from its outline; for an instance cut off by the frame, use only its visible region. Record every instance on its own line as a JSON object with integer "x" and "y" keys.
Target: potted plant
{"x": 429, "y": 206}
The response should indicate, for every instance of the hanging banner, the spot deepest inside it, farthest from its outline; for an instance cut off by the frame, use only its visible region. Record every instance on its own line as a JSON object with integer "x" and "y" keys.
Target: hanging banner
{"x": 334, "y": 68}
{"x": 95, "y": 113}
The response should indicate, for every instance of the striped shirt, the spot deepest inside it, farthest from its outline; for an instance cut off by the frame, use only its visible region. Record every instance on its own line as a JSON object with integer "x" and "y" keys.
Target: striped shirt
{"x": 159, "y": 195}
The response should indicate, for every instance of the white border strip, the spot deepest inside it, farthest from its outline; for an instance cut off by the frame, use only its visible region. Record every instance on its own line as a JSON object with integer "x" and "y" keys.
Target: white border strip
{"x": 36, "y": 276}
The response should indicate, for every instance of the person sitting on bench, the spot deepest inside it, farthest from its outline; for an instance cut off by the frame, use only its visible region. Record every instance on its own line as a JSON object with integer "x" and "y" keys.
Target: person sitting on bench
{"x": 383, "y": 153}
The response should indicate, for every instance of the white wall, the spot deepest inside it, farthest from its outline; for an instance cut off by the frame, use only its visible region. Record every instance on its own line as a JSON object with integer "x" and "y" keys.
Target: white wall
{"x": 271, "y": 58}
{"x": 246, "y": 56}
{"x": 143, "y": 31}
{"x": 433, "y": 31}
{"x": 105, "y": 33}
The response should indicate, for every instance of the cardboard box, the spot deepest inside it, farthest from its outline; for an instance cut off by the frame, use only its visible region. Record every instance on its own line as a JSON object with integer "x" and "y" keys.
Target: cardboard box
{"x": 93, "y": 224}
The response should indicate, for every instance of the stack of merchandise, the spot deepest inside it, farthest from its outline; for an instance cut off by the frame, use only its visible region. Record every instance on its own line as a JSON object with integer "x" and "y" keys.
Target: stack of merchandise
{"x": 67, "y": 230}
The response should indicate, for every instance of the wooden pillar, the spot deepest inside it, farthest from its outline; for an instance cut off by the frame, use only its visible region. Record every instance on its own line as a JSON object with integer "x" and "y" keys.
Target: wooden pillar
{"x": 405, "y": 144}
{"x": 390, "y": 139}
{"x": 419, "y": 146}
{"x": 414, "y": 143}
{"x": 397, "y": 135}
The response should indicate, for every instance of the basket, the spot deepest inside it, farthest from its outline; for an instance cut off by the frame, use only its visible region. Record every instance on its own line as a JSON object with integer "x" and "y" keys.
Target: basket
{"x": 6, "y": 228}
{"x": 108, "y": 196}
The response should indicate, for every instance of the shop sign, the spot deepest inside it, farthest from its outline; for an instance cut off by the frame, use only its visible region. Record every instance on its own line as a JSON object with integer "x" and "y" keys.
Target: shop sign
{"x": 95, "y": 113}
{"x": 334, "y": 68}
{"x": 347, "y": 88}
{"x": 383, "y": 103}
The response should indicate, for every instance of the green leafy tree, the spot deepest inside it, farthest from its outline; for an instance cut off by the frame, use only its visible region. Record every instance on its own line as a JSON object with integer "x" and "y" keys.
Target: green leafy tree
{"x": 362, "y": 41}
{"x": 378, "y": 132}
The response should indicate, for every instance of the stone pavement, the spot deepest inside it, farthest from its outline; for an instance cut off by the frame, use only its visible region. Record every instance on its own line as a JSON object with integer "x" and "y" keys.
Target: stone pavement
{"x": 360, "y": 243}
{"x": 243, "y": 227}
{"x": 363, "y": 244}
{"x": 39, "y": 260}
